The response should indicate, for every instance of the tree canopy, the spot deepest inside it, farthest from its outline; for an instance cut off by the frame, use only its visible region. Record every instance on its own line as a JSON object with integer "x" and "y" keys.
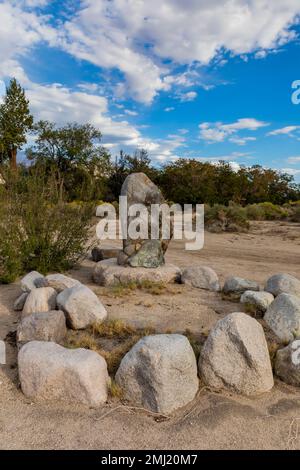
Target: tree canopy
{"x": 15, "y": 122}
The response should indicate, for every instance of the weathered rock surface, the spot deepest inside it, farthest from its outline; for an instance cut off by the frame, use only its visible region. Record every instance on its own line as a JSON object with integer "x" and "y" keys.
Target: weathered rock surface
{"x": 143, "y": 252}
{"x": 283, "y": 284}
{"x": 238, "y": 285}
{"x": 110, "y": 273}
{"x": 60, "y": 282}
{"x": 283, "y": 317}
{"x": 260, "y": 300}
{"x": 159, "y": 373}
{"x": 81, "y": 306}
{"x": 44, "y": 326}
{"x": 28, "y": 281}
{"x": 99, "y": 254}
{"x": 287, "y": 363}
{"x": 201, "y": 277}
{"x": 20, "y": 302}
{"x": 48, "y": 371}
{"x": 40, "y": 300}
{"x": 235, "y": 356}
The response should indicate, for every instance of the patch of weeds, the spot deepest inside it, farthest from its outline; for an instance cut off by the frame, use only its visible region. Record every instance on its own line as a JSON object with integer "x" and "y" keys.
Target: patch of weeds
{"x": 114, "y": 390}
{"x": 112, "y": 339}
{"x": 231, "y": 297}
{"x": 273, "y": 347}
{"x": 253, "y": 310}
{"x": 193, "y": 341}
{"x": 150, "y": 287}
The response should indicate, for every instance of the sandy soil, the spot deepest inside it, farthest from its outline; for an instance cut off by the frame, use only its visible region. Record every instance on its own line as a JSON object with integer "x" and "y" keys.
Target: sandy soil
{"x": 211, "y": 421}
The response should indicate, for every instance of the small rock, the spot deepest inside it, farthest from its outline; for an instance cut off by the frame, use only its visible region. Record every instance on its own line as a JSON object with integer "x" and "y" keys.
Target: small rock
{"x": 283, "y": 284}
{"x": 260, "y": 300}
{"x": 44, "y": 326}
{"x": 159, "y": 373}
{"x": 201, "y": 277}
{"x": 287, "y": 363}
{"x": 60, "y": 282}
{"x": 283, "y": 317}
{"x": 28, "y": 281}
{"x": 81, "y": 306}
{"x": 20, "y": 302}
{"x": 238, "y": 285}
{"x": 235, "y": 356}
{"x": 48, "y": 371}
{"x": 109, "y": 273}
{"x": 40, "y": 300}
{"x": 99, "y": 254}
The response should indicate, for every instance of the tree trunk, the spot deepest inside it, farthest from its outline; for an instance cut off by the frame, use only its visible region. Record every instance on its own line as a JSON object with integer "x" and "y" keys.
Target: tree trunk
{"x": 13, "y": 159}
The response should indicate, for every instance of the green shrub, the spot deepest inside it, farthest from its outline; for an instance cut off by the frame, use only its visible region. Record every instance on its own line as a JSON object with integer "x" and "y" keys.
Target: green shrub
{"x": 273, "y": 212}
{"x": 255, "y": 212}
{"x": 295, "y": 214}
{"x": 219, "y": 218}
{"x": 38, "y": 231}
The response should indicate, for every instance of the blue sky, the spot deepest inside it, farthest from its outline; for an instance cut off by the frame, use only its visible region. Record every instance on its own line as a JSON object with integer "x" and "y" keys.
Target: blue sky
{"x": 182, "y": 78}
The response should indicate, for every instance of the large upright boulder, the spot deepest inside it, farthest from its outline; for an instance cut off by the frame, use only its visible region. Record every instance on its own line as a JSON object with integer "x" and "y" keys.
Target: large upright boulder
{"x": 283, "y": 284}
{"x": 40, "y": 300}
{"x": 48, "y": 371}
{"x": 235, "y": 356}
{"x": 147, "y": 253}
{"x": 283, "y": 317}
{"x": 81, "y": 306}
{"x": 159, "y": 373}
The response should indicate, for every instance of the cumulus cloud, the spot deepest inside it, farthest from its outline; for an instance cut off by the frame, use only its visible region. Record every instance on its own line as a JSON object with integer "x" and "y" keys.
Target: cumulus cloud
{"x": 114, "y": 34}
{"x": 219, "y": 132}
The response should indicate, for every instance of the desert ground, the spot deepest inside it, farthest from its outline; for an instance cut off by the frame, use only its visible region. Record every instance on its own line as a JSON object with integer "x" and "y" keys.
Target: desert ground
{"x": 212, "y": 420}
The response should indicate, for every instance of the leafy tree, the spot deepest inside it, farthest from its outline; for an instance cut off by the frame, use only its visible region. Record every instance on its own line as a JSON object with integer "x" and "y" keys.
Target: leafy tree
{"x": 75, "y": 154}
{"x": 15, "y": 122}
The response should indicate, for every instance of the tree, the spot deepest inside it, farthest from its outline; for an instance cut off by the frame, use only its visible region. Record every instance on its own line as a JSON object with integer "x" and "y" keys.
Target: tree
{"x": 15, "y": 122}
{"x": 75, "y": 154}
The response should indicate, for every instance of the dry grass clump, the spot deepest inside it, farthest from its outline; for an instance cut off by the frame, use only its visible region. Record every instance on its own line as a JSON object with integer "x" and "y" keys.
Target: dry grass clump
{"x": 196, "y": 345}
{"x": 114, "y": 390}
{"x": 150, "y": 287}
{"x": 112, "y": 339}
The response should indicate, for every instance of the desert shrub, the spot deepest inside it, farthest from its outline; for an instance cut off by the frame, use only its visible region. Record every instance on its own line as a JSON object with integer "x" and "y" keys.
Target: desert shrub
{"x": 272, "y": 211}
{"x": 255, "y": 212}
{"x": 38, "y": 231}
{"x": 295, "y": 213}
{"x": 219, "y": 218}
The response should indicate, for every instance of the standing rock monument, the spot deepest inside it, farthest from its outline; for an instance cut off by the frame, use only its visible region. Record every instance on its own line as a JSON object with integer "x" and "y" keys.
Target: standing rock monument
{"x": 141, "y": 258}
{"x": 147, "y": 253}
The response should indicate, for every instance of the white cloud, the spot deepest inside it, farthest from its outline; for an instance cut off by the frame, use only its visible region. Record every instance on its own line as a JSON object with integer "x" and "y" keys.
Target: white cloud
{"x": 129, "y": 112}
{"x": 169, "y": 109}
{"x": 293, "y": 160}
{"x": 188, "y": 96}
{"x": 113, "y": 34}
{"x": 288, "y": 130}
{"x": 218, "y": 132}
{"x": 290, "y": 171}
{"x": 241, "y": 140}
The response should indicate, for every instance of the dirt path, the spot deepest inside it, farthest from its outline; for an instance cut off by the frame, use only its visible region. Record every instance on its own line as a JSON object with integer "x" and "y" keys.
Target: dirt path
{"x": 211, "y": 421}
